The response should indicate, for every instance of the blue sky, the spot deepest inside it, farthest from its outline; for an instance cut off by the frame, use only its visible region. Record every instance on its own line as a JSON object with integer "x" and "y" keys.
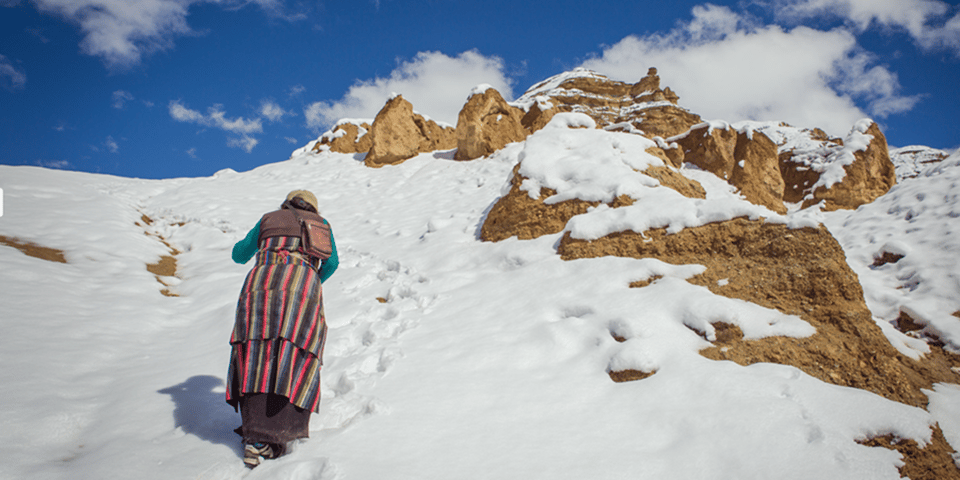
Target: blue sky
{"x": 173, "y": 88}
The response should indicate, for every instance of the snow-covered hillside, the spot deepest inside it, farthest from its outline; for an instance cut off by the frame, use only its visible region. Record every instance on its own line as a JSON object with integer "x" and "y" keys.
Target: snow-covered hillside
{"x": 447, "y": 357}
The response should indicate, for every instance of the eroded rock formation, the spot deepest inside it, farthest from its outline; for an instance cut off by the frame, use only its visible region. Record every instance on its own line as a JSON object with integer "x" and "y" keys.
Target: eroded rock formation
{"x": 799, "y": 272}
{"x": 747, "y": 161}
{"x": 516, "y": 214}
{"x": 486, "y": 124}
{"x": 346, "y": 137}
{"x": 642, "y": 107}
{"x": 398, "y": 134}
{"x": 870, "y": 175}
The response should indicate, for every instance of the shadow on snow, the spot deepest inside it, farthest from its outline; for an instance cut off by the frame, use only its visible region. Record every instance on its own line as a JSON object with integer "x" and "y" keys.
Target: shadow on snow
{"x": 202, "y": 412}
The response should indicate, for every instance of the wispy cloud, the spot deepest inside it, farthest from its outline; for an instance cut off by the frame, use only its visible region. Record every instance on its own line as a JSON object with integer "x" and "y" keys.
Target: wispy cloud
{"x": 296, "y": 90}
{"x": 437, "y": 85}
{"x": 111, "y": 144}
{"x": 120, "y": 97}
{"x": 122, "y": 32}
{"x": 291, "y": 140}
{"x": 726, "y": 66}
{"x": 192, "y": 153}
{"x": 245, "y": 143}
{"x": 272, "y": 111}
{"x": 11, "y": 78}
{"x": 216, "y": 117}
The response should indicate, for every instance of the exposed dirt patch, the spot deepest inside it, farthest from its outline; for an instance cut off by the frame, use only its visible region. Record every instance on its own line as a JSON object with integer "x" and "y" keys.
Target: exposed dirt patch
{"x": 167, "y": 265}
{"x": 886, "y": 258}
{"x": 934, "y": 462}
{"x": 381, "y": 300}
{"x": 726, "y": 333}
{"x": 630, "y": 375}
{"x": 34, "y": 250}
{"x": 645, "y": 282}
{"x": 799, "y": 272}
{"x": 907, "y": 324}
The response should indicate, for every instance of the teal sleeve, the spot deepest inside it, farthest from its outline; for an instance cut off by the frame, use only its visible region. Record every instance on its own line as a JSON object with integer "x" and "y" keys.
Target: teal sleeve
{"x": 328, "y": 266}
{"x": 244, "y": 250}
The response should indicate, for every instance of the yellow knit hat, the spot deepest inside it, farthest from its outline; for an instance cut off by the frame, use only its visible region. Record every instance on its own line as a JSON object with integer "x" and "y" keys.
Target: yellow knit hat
{"x": 306, "y": 196}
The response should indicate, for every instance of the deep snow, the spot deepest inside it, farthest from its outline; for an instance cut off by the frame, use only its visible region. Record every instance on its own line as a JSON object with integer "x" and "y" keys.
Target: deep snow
{"x": 487, "y": 360}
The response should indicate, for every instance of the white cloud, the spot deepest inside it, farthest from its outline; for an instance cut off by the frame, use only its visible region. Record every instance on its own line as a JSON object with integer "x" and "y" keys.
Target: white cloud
{"x": 246, "y": 143}
{"x": 291, "y": 140}
{"x": 111, "y": 144}
{"x": 724, "y": 66}
{"x": 272, "y": 111}
{"x": 437, "y": 85}
{"x": 120, "y": 97}
{"x": 217, "y": 118}
{"x": 11, "y": 78}
{"x": 192, "y": 153}
{"x": 297, "y": 90}
{"x": 925, "y": 20}
{"x": 122, "y": 32}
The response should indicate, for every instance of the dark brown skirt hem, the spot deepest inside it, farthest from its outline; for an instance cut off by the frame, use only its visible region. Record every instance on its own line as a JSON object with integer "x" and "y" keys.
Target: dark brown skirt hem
{"x": 271, "y": 418}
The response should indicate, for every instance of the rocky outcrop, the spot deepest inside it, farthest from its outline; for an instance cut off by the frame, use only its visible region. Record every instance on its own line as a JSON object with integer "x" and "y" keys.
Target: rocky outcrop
{"x": 799, "y": 272}
{"x": 540, "y": 113}
{"x": 346, "y": 137}
{"x": 642, "y": 107}
{"x": 398, "y": 134}
{"x": 747, "y": 160}
{"x": 486, "y": 124}
{"x": 516, "y": 214}
{"x": 774, "y": 164}
{"x": 909, "y": 161}
{"x": 843, "y": 173}
{"x": 870, "y": 175}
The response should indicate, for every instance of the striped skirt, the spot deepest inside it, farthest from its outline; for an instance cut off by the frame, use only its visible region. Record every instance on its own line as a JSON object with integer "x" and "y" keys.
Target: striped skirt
{"x": 279, "y": 333}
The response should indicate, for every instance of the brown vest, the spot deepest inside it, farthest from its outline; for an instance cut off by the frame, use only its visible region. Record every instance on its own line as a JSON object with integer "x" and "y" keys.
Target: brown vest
{"x": 284, "y": 223}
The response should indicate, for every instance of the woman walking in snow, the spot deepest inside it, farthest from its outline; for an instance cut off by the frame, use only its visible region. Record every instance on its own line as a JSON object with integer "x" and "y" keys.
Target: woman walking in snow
{"x": 280, "y": 330}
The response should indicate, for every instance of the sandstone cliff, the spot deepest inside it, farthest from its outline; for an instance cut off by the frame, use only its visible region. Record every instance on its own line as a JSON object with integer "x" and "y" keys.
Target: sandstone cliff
{"x": 347, "y": 136}
{"x": 642, "y": 107}
{"x": 486, "y": 124}
{"x": 771, "y": 164}
{"x": 398, "y": 134}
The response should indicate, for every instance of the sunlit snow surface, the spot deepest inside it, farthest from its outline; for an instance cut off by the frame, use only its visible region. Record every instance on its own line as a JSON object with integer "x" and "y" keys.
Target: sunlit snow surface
{"x": 487, "y": 360}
